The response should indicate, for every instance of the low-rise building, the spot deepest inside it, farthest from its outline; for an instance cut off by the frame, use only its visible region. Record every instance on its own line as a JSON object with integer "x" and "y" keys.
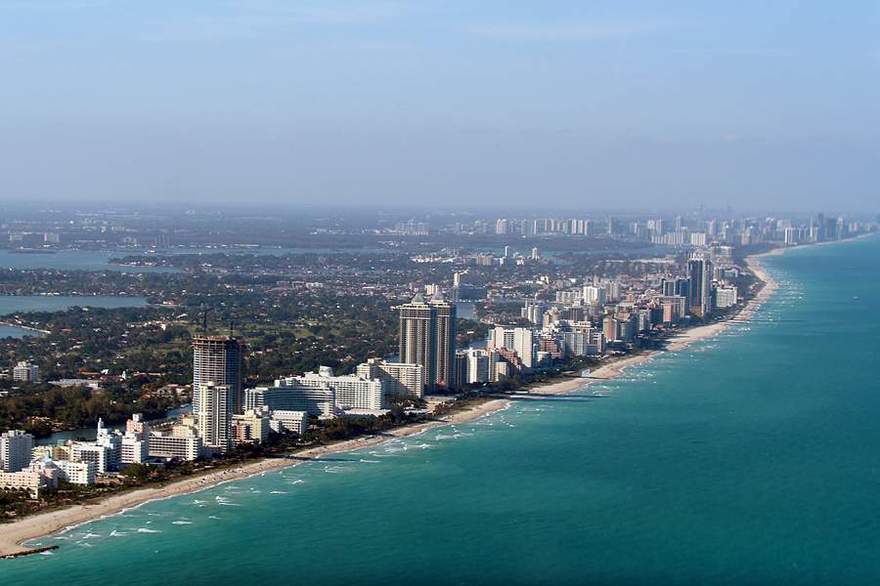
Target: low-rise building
{"x": 26, "y": 371}
{"x": 291, "y": 421}
{"x": 99, "y": 456}
{"x": 182, "y": 443}
{"x": 252, "y": 426}
{"x": 25, "y": 480}
{"x": 81, "y": 473}
{"x": 725, "y": 297}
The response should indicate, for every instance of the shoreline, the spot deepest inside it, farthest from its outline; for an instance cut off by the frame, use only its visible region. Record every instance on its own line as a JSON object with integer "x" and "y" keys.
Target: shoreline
{"x": 14, "y": 535}
{"x": 678, "y": 342}
{"x": 29, "y": 528}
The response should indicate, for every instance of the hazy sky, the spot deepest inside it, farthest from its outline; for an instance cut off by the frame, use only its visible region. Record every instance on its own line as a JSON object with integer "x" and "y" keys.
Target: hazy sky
{"x": 478, "y": 102}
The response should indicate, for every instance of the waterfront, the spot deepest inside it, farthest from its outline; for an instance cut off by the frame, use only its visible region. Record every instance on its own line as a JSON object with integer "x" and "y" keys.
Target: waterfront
{"x": 99, "y": 260}
{"x": 89, "y": 433}
{"x": 10, "y": 304}
{"x": 750, "y": 457}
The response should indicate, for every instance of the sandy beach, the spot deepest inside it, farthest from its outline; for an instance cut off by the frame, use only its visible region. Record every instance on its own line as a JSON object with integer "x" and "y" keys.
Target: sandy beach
{"x": 32, "y": 527}
{"x": 12, "y": 535}
{"x": 683, "y": 340}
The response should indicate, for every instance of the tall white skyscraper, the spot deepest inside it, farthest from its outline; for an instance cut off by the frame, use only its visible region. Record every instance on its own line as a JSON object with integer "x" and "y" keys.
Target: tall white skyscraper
{"x": 215, "y": 416}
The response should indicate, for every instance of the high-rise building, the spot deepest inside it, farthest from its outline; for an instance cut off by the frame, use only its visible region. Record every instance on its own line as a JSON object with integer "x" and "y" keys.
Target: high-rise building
{"x": 427, "y": 337}
{"x": 418, "y": 330}
{"x": 461, "y": 368}
{"x": 99, "y": 456}
{"x": 611, "y": 328}
{"x": 217, "y": 360}
{"x": 478, "y": 366}
{"x": 250, "y": 427}
{"x": 519, "y": 340}
{"x": 725, "y": 297}
{"x": 112, "y": 442}
{"x": 444, "y": 344}
{"x": 182, "y": 443}
{"x": 700, "y": 284}
{"x": 533, "y": 311}
{"x": 215, "y": 415}
{"x": 15, "y": 450}
{"x": 594, "y": 295}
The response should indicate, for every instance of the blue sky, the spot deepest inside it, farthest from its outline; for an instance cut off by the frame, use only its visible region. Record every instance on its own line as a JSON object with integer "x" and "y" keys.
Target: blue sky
{"x": 478, "y": 103}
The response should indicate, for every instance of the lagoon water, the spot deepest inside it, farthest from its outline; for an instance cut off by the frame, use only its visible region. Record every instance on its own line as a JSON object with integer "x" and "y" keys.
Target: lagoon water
{"x": 10, "y": 304}
{"x": 750, "y": 458}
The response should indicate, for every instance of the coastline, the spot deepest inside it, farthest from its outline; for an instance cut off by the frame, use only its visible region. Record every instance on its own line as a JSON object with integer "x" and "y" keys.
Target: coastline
{"x": 15, "y": 534}
{"x": 680, "y": 341}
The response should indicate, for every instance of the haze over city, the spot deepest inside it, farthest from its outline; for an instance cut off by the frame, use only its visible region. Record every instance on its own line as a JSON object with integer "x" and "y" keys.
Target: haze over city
{"x": 439, "y": 292}
{"x": 599, "y": 105}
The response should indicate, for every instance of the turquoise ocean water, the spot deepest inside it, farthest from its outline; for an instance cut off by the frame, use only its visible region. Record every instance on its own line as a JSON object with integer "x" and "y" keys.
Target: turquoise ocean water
{"x": 750, "y": 458}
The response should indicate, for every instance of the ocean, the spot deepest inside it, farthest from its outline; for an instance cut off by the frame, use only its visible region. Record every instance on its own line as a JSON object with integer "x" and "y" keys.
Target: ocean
{"x": 749, "y": 458}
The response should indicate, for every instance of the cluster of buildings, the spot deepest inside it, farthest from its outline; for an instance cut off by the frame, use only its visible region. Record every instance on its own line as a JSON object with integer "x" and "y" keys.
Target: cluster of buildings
{"x": 583, "y": 318}
{"x": 623, "y": 312}
{"x": 693, "y": 230}
{"x": 586, "y": 318}
{"x": 20, "y": 470}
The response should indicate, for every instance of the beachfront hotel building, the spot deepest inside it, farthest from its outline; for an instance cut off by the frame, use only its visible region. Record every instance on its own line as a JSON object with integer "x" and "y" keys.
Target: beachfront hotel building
{"x": 134, "y": 448}
{"x": 292, "y": 421}
{"x": 401, "y": 379}
{"x": 250, "y": 427}
{"x": 725, "y": 297}
{"x": 182, "y": 443}
{"x": 24, "y": 480}
{"x": 418, "y": 331}
{"x": 478, "y": 366}
{"x": 217, "y": 360}
{"x": 444, "y": 346}
{"x": 289, "y": 395}
{"x": 80, "y": 473}
{"x": 15, "y": 450}
{"x": 350, "y": 391}
{"x": 98, "y": 456}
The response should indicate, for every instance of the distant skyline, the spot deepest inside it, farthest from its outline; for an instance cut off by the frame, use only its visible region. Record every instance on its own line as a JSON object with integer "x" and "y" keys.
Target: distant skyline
{"x": 565, "y": 104}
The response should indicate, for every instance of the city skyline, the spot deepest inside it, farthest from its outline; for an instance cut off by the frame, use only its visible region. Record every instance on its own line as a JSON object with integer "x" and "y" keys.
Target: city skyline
{"x": 342, "y": 291}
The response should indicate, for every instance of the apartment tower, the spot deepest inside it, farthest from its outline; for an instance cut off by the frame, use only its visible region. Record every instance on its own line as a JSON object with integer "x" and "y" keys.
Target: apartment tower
{"x": 217, "y": 360}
